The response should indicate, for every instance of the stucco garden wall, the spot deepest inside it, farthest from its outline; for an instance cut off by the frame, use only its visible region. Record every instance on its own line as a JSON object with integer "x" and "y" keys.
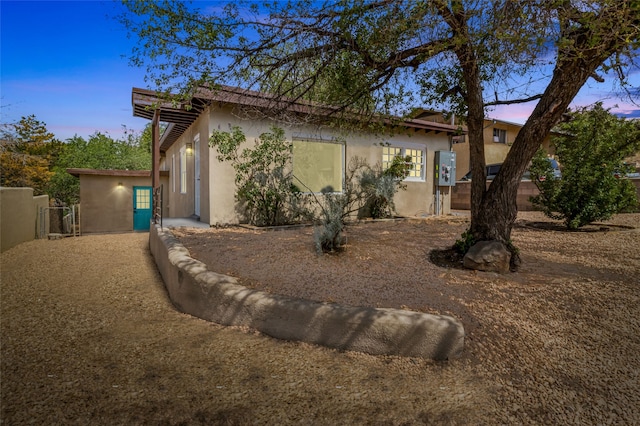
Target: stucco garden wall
{"x": 195, "y": 290}
{"x": 20, "y": 216}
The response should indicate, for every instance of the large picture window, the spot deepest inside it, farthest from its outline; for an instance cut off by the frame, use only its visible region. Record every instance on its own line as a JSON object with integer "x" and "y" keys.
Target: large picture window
{"x": 318, "y": 166}
{"x": 416, "y": 161}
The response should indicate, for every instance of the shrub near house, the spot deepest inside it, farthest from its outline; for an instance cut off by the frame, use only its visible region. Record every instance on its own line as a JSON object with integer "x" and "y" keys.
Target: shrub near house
{"x": 271, "y": 193}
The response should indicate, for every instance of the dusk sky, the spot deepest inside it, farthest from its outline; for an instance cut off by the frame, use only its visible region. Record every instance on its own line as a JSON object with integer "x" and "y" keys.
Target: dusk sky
{"x": 65, "y": 62}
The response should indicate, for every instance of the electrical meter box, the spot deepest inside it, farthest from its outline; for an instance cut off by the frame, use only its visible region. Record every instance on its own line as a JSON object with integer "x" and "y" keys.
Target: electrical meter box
{"x": 445, "y": 168}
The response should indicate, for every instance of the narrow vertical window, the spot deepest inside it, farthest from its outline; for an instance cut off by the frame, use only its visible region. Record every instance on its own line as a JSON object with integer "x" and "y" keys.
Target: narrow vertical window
{"x": 183, "y": 170}
{"x": 174, "y": 174}
{"x": 500, "y": 135}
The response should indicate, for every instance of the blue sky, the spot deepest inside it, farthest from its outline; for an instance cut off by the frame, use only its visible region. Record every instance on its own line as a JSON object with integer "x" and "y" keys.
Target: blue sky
{"x": 64, "y": 62}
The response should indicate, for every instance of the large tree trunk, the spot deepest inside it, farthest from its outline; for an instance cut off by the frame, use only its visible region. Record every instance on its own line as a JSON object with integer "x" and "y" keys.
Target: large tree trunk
{"x": 494, "y": 215}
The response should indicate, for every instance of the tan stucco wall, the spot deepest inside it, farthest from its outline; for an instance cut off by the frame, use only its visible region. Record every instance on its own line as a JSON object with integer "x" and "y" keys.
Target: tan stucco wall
{"x": 461, "y": 199}
{"x": 195, "y": 290}
{"x": 107, "y": 207}
{"x": 183, "y": 204}
{"x": 217, "y": 180}
{"x": 20, "y": 216}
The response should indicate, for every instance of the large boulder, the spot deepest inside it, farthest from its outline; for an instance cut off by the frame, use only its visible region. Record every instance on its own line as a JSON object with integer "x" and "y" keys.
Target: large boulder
{"x": 491, "y": 256}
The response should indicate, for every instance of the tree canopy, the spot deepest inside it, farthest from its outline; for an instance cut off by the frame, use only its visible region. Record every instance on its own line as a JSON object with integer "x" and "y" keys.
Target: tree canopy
{"x": 27, "y": 152}
{"x": 383, "y": 57}
{"x": 591, "y": 146}
{"x": 99, "y": 151}
{"x": 31, "y": 156}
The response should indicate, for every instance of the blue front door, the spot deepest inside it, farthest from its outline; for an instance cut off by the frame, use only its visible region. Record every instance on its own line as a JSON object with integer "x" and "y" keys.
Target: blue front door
{"x": 142, "y": 206}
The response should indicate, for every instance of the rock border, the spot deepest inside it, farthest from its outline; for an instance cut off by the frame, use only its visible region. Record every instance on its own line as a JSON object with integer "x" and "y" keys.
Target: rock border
{"x": 195, "y": 290}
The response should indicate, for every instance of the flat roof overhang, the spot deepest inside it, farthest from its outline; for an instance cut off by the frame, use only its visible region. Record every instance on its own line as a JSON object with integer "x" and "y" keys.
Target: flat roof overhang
{"x": 180, "y": 115}
{"x": 110, "y": 172}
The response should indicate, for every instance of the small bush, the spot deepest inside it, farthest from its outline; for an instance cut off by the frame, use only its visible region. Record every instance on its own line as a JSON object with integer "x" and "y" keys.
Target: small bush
{"x": 366, "y": 188}
{"x": 328, "y": 234}
{"x": 265, "y": 189}
{"x": 463, "y": 244}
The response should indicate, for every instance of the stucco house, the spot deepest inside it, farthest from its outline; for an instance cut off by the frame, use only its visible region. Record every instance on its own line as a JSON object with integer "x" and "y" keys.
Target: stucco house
{"x": 115, "y": 200}
{"x": 199, "y": 185}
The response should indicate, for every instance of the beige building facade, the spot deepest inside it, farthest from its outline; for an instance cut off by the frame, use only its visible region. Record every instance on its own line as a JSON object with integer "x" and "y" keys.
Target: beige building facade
{"x": 200, "y": 185}
{"x": 114, "y": 200}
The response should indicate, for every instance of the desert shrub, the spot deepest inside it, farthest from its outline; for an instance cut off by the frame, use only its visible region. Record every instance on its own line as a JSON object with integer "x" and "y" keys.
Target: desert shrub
{"x": 366, "y": 188}
{"x": 328, "y": 234}
{"x": 380, "y": 186}
{"x": 591, "y": 148}
{"x": 264, "y": 180}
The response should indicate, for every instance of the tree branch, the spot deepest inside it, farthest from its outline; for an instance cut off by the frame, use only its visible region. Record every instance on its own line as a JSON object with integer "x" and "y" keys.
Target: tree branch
{"x": 514, "y": 101}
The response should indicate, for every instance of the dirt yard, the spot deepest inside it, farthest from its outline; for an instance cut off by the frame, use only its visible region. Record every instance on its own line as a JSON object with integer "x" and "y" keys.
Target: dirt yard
{"x": 89, "y": 337}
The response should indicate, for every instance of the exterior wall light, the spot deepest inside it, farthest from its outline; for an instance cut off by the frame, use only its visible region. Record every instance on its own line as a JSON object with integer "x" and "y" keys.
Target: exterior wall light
{"x": 189, "y": 148}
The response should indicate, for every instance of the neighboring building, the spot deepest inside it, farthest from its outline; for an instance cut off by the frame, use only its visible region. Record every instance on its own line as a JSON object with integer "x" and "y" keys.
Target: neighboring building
{"x": 198, "y": 184}
{"x": 114, "y": 200}
{"x": 499, "y": 135}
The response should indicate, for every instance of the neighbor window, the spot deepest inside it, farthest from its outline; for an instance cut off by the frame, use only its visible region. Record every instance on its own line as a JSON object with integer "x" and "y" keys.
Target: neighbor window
{"x": 500, "y": 135}
{"x": 416, "y": 161}
{"x": 183, "y": 170}
{"x": 318, "y": 166}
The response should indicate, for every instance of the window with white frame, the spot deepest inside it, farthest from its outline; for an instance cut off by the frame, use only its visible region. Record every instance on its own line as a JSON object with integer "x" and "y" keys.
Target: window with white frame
{"x": 183, "y": 170}
{"x": 499, "y": 135}
{"x": 173, "y": 173}
{"x": 318, "y": 166}
{"x": 416, "y": 160}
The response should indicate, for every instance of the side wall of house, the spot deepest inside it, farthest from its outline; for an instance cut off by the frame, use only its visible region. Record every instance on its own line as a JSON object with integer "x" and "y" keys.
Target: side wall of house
{"x": 494, "y": 152}
{"x": 419, "y": 197}
{"x": 417, "y": 200}
{"x": 181, "y": 186}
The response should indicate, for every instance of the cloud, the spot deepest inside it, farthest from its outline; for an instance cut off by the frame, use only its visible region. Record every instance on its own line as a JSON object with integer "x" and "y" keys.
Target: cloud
{"x": 634, "y": 113}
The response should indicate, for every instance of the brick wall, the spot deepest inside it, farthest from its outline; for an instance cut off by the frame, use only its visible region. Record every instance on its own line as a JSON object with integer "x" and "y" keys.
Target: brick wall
{"x": 461, "y": 195}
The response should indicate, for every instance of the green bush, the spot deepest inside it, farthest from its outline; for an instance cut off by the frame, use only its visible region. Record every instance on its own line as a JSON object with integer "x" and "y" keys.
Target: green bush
{"x": 466, "y": 241}
{"x": 264, "y": 180}
{"x": 591, "y": 149}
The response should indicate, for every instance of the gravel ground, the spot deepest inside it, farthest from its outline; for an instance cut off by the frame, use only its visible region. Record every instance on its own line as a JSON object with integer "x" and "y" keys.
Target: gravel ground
{"x": 89, "y": 336}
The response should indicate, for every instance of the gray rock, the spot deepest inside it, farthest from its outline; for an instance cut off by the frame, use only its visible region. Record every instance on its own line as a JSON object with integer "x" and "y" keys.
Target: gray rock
{"x": 490, "y": 256}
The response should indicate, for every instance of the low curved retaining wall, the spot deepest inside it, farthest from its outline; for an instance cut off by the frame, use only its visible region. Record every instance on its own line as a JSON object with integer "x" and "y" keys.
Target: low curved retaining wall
{"x": 195, "y": 290}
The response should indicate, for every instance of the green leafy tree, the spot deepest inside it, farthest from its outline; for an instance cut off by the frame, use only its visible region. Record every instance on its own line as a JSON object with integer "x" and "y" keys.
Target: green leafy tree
{"x": 28, "y": 153}
{"x": 378, "y": 58}
{"x": 99, "y": 151}
{"x": 591, "y": 148}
